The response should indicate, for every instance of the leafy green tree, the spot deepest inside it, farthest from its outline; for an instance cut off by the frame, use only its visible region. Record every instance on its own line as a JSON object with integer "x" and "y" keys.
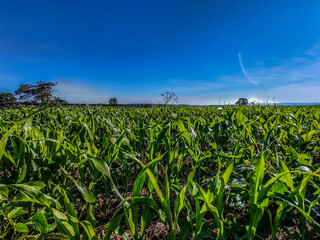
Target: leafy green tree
{"x": 113, "y": 101}
{"x": 7, "y": 100}
{"x": 41, "y": 92}
{"x": 25, "y": 92}
{"x": 242, "y": 101}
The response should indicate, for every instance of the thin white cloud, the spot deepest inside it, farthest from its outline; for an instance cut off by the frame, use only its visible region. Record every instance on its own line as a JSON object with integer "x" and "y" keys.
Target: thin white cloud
{"x": 124, "y": 99}
{"x": 303, "y": 68}
{"x": 295, "y": 93}
{"x": 297, "y": 69}
{"x": 81, "y": 91}
{"x": 289, "y": 73}
{"x": 299, "y": 92}
{"x": 295, "y": 79}
{"x": 75, "y": 92}
{"x": 245, "y": 73}
{"x": 188, "y": 86}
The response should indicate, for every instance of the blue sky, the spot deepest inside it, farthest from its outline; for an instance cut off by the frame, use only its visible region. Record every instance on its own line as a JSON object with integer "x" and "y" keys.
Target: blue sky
{"x": 204, "y": 51}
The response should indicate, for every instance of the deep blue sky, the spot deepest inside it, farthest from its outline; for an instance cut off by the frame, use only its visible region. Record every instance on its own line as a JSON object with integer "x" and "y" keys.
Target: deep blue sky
{"x": 135, "y": 50}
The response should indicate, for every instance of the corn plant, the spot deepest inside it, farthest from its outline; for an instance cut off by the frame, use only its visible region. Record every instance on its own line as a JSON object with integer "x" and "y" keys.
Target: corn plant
{"x": 233, "y": 172}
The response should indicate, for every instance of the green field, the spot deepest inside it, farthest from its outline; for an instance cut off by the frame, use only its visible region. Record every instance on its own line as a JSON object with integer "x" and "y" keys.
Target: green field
{"x": 160, "y": 173}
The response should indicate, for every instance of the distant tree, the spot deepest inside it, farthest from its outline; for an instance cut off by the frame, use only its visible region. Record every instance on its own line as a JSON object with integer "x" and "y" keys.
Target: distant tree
{"x": 25, "y": 92}
{"x": 169, "y": 97}
{"x": 113, "y": 101}
{"x": 242, "y": 101}
{"x": 7, "y": 100}
{"x": 59, "y": 101}
{"x": 41, "y": 92}
{"x": 45, "y": 91}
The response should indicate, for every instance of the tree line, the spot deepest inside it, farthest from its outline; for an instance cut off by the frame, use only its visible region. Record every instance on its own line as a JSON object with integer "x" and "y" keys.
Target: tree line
{"x": 42, "y": 93}
{"x": 38, "y": 93}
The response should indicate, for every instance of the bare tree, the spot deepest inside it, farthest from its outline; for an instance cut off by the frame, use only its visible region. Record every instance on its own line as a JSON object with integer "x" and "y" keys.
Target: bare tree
{"x": 169, "y": 97}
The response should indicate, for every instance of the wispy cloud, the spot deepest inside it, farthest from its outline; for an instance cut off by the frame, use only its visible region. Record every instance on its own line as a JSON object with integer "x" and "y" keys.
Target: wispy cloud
{"x": 297, "y": 92}
{"x": 295, "y": 79}
{"x": 191, "y": 86}
{"x": 303, "y": 68}
{"x": 245, "y": 73}
{"x": 124, "y": 99}
{"x": 75, "y": 92}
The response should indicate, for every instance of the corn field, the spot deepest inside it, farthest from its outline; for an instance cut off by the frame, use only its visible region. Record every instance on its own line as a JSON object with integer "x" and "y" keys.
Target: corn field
{"x": 160, "y": 173}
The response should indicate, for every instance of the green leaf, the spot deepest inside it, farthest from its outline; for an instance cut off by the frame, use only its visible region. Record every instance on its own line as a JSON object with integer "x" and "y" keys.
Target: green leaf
{"x": 67, "y": 229}
{"x": 59, "y": 215}
{"x": 185, "y": 228}
{"x": 203, "y": 235}
{"x": 151, "y": 178}
{"x": 32, "y": 193}
{"x": 179, "y": 202}
{"x": 103, "y": 167}
{"x": 4, "y": 191}
{"x": 63, "y": 225}
{"x": 36, "y": 184}
{"x": 226, "y": 175}
{"x": 112, "y": 226}
{"x": 16, "y": 212}
{"x": 264, "y": 190}
{"x": 72, "y": 214}
{"x": 310, "y": 134}
{"x": 22, "y": 174}
{"x": 55, "y": 236}
{"x": 40, "y": 222}
{"x": 304, "y": 159}
{"x": 287, "y": 179}
{"x": 8, "y": 155}
{"x": 293, "y": 203}
{"x": 4, "y": 139}
{"x": 146, "y": 217}
{"x": 293, "y": 155}
{"x": 257, "y": 180}
{"x": 84, "y": 190}
{"x": 88, "y": 229}
{"x": 278, "y": 187}
{"x": 21, "y": 227}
